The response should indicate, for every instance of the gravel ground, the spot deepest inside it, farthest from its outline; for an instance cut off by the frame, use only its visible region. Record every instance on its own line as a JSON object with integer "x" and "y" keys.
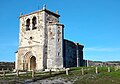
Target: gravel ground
{"x": 57, "y": 80}
{"x": 52, "y": 80}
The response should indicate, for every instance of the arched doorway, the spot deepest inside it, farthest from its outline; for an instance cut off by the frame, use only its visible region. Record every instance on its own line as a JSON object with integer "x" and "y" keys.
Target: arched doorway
{"x": 32, "y": 63}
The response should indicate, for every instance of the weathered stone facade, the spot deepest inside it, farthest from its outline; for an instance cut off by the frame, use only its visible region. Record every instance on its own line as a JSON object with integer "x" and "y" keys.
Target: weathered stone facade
{"x": 73, "y": 54}
{"x": 7, "y": 65}
{"x": 40, "y": 41}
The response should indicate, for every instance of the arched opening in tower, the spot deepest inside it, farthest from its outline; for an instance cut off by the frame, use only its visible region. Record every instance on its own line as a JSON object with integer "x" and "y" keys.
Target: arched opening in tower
{"x": 33, "y": 63}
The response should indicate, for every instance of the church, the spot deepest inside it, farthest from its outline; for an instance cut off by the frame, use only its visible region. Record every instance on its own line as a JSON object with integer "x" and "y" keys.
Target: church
{"x": 42, "y": 44}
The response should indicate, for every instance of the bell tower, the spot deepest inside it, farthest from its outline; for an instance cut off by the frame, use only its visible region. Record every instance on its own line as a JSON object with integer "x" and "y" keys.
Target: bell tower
{"x": 40, "y": 41}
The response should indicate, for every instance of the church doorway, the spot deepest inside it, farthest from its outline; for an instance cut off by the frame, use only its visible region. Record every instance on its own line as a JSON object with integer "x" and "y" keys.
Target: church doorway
{"x": 32, "y": 63}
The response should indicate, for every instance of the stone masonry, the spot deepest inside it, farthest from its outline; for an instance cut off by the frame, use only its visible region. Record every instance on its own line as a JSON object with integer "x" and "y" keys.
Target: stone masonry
{"x": 41, "y": 39}
{"x": 73, "y": 54}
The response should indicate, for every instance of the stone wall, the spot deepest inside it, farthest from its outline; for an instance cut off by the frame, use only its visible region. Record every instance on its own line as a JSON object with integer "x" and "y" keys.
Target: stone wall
{"x": 7, "y": 65}
{"x": 73, "y": 54}
{"x": 32, "y": 40}
{"x": 100, "y": 63}
{"x": 55, "y": 45}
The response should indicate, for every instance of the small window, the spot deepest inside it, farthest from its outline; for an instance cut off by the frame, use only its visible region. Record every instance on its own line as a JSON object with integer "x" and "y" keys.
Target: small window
{"x": 58, "y": 32}
{"x": 34, "y": 22}
{"x": 31, "y": 38}
{"x": 58, "y": 53}
{"x": 58, "y": 39}
{"x": 27, "y": 24}
{"x": 45, "y": 52}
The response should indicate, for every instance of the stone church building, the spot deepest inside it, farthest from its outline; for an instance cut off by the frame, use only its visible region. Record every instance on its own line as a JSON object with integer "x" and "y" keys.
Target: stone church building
{"x": 42, "y": 44}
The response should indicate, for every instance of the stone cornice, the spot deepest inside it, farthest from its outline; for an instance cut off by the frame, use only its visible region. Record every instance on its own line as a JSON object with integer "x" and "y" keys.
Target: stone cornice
{"x": 47, "y": 11}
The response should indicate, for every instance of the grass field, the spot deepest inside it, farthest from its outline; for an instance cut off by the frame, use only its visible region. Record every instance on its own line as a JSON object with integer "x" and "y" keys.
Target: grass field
{"x": 103, "y": 77}
{"x": 75, "y": 76}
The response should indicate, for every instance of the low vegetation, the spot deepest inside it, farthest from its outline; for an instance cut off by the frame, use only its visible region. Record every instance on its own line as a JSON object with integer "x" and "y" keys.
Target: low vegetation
{"x": 75, "y": 76}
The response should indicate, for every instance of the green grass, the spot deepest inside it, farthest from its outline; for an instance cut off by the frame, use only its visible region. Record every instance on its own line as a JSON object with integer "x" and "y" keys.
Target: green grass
{"x": 75, "y": 76}
{"x": 115, "y": 74}
{"x": 103, "y": 77}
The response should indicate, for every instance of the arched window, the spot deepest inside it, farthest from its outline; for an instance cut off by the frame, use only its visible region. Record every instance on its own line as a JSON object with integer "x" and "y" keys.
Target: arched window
{"x": 34, "y": 22}
{"x": 27, "y": 24}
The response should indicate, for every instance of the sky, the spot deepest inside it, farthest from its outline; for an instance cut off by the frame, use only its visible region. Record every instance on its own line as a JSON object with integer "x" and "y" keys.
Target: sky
{"x": 92, "y": 23}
